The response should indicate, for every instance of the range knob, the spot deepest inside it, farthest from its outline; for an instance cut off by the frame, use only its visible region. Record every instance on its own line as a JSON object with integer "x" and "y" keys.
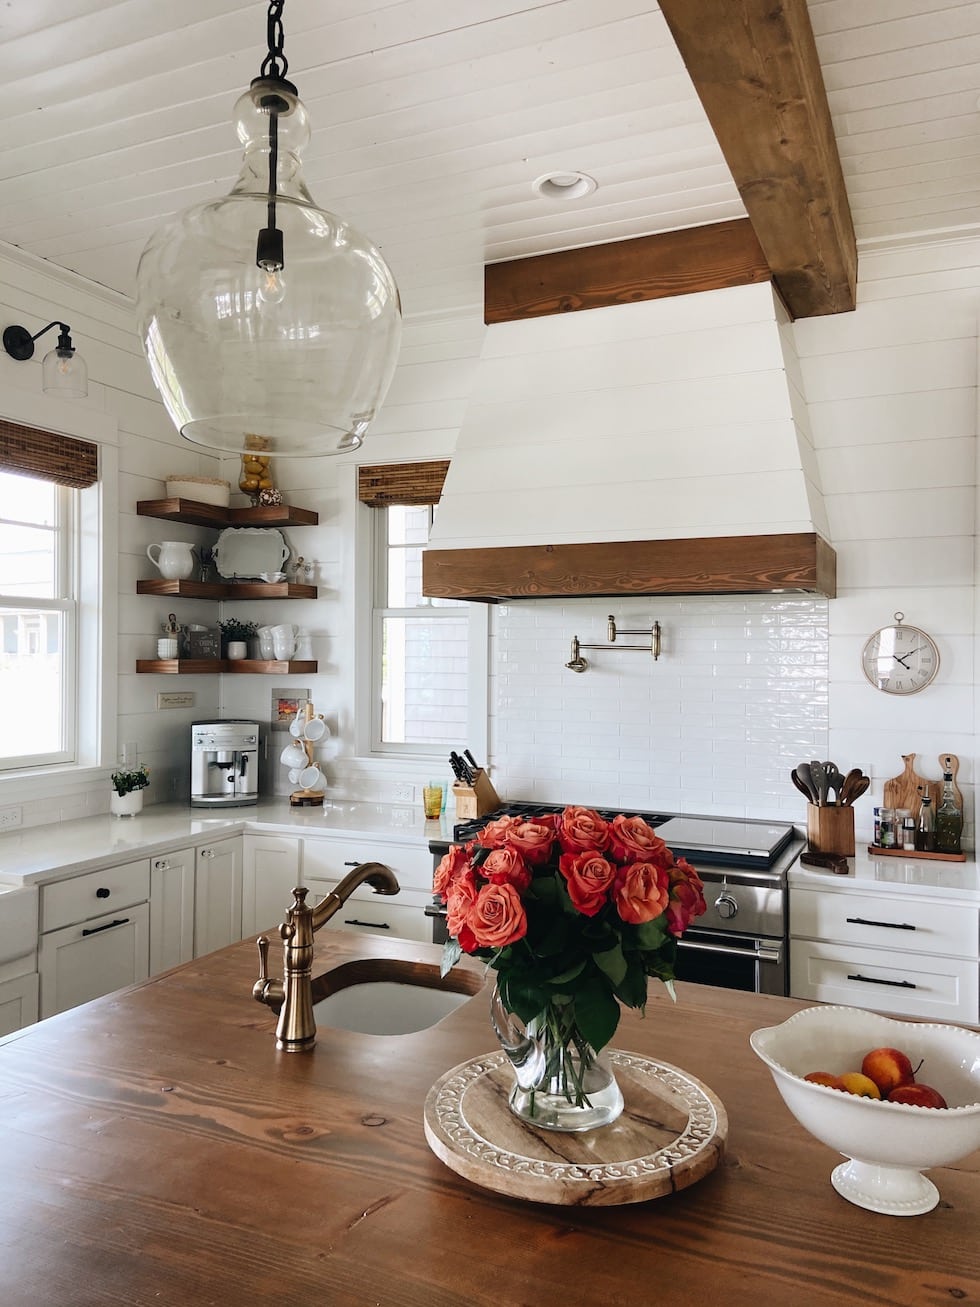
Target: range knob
{"x": 726, "y": 906}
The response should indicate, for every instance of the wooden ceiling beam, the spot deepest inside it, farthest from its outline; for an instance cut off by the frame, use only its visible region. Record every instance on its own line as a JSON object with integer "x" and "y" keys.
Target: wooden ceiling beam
{"x": 755, "y": 68}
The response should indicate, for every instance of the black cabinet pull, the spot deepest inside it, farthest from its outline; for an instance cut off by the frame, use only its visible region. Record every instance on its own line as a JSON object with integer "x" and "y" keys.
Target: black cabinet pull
{"x": 872, "y": 980}
{"x": 355, "y": 863}
{"x": 886, "y": 925}
{"x": 102, "y": 893}
{"x": 375, "y": 925}
{"x": 119, "y": 921}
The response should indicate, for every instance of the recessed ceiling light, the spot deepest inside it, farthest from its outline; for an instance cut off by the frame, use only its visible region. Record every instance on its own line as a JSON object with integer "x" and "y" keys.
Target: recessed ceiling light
{"x": 564, "y": 185}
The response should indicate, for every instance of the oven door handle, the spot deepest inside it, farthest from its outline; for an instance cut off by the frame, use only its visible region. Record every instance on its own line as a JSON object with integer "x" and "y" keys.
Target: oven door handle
{"x": 761, "y": 952}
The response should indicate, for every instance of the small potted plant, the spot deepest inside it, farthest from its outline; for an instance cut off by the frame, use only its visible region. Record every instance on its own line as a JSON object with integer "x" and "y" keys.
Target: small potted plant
{"x": 126, "y": 799}
{"x": 235, "y": 636}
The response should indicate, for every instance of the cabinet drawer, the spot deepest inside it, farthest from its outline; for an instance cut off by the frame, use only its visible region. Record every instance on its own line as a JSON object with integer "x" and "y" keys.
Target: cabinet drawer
{"x": 94, "y": 894}
{"x": 84, "y": 961}
{"x": 886, "y": 921}
{"x": 333, "y": 859}
{"x": 374, "y": 914}
{"x": 942, "y": 989}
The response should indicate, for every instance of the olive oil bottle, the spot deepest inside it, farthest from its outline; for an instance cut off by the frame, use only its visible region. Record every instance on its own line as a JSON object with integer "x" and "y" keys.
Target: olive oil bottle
{"x": 949, "y": 819}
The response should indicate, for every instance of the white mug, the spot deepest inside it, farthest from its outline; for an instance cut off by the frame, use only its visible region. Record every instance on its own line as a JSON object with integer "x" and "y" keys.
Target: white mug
{"x": 311, "y": 778}
{"x": 174, "y": 560}
{"x": 293, "y": 755}
{"x": 314, "y": 729}
{"x": 293, "y": 774}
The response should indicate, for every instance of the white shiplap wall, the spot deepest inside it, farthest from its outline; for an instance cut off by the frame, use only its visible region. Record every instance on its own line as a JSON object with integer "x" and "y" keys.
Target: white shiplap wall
{"x": 33, "y": 293}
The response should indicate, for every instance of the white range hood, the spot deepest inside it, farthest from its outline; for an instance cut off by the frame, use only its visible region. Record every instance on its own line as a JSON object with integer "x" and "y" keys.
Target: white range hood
{"x": 677, "y": 427}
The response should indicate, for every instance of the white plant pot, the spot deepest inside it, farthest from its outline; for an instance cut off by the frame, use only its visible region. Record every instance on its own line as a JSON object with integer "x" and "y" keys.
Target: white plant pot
{"x": 126, "y": 805}
{"x": 237, "y": 650}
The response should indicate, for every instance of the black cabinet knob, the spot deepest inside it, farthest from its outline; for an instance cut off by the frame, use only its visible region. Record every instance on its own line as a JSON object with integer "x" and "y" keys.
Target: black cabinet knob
{"x": 102, "y": 893}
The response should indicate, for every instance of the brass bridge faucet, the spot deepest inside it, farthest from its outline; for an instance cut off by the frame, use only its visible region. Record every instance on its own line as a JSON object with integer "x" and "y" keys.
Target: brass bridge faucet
{"x": 292, "y": 997}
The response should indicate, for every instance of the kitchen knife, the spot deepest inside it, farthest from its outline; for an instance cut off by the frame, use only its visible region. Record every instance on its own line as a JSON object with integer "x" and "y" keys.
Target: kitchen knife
{"x": 457, "y": 765}
{"x": 471, "y": 760}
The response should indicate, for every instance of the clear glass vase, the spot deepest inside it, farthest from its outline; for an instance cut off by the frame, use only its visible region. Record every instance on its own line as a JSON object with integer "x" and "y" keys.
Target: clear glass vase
{"x": 561, "y": 1082}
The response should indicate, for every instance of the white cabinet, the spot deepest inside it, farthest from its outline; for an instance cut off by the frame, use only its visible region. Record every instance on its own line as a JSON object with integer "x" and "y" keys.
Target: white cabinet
{"x": 272, "y": 868}
{"x": 218, "y": 895}
{"x": 327, "y": 861}
{"x": 904, "y": 954}
{"x": 18, "y": 1003}
{"x": 94, "y": 935}
{"x": 171, "y": 910}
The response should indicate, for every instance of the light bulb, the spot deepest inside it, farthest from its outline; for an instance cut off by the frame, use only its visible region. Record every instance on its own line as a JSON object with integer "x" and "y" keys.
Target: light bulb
{"x": 272, "y": 286}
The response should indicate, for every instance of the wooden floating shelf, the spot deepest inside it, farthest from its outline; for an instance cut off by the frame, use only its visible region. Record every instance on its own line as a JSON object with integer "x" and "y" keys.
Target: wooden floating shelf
{"x": 197, "y": 514}
{"x": 877, "y": 851}
{"x": 226, "y": 589}
{"x": 212, "y": 666}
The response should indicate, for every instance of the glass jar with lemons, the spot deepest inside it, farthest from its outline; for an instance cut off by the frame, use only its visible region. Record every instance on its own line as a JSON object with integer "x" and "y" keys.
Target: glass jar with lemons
{"x": 256, "y": 473}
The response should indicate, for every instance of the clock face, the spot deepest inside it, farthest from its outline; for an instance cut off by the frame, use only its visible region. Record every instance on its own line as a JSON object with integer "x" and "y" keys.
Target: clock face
{"x": 900, "y": 659}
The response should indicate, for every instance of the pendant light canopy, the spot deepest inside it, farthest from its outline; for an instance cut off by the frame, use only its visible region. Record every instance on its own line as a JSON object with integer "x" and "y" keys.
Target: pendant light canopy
{"x": 268, "y": 322}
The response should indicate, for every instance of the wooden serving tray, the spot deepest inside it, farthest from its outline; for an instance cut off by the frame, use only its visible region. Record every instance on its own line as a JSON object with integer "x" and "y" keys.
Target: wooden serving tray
{"x": 672, "y": 1133}
{"x": 877, "y": 851}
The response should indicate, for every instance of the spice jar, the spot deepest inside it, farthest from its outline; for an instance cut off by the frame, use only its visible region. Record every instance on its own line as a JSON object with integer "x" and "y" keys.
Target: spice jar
{"x": 904, "y": 828}
{"x": 886, "y": 834}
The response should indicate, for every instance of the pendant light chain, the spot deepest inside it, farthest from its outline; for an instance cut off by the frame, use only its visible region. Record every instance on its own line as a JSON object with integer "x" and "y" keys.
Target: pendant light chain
{"x": 275, "y": 64}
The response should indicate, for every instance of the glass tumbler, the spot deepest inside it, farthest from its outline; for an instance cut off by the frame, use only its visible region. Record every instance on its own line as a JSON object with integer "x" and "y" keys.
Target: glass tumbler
{"x": 432, "y": 800}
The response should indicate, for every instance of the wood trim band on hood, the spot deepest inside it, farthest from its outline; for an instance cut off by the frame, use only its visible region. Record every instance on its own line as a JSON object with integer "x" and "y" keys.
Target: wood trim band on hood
{"x": 764, "y": 564}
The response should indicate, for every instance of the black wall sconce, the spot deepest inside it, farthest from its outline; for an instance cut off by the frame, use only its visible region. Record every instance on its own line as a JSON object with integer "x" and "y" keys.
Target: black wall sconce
{"x": 63, "y": 370}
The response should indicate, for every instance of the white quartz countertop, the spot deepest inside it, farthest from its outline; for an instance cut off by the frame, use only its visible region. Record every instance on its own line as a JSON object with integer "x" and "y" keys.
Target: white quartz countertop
{"x": 958, "y": 881}
{"x": 41, "y": 853}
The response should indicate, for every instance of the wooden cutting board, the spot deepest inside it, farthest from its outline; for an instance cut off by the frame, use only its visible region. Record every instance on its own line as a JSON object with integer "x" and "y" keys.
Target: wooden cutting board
{"x": 906, "y": 790}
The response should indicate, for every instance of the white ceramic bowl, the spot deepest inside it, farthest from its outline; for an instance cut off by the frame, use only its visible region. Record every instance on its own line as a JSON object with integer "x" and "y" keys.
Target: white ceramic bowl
{"x": 205, "y": 490}
{"x": 888, "y": 1143}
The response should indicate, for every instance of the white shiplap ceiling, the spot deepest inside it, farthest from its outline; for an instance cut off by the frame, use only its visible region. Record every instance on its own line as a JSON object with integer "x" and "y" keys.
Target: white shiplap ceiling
{"x": 431, "y": 121}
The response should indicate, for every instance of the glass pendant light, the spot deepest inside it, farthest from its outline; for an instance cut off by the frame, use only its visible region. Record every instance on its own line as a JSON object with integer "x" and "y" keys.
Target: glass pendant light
{"x": 268, "y": 323}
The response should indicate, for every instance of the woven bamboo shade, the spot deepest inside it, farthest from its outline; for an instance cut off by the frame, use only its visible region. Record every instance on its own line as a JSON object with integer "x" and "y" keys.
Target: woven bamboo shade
{"x": 30, "y": 451}
{"x": 402, "y": 483}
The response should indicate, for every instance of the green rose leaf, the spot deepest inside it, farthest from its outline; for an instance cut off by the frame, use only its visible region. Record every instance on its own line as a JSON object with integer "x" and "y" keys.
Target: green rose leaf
{"x": 596, "y": 1013}
{"x": 632, "y": 989}
{"x": 451, "y": 954}
{"x": 651, "y": 934}
{"x": 569, "y": 974}
{"x": 612, "y": 963}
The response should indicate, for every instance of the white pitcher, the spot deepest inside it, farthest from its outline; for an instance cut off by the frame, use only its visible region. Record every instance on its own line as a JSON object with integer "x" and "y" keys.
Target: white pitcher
{"x": 175, "y": 559}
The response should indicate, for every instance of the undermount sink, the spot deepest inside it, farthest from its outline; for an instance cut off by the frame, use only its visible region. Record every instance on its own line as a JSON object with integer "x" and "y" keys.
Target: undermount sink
{"x": 386, "y": 996}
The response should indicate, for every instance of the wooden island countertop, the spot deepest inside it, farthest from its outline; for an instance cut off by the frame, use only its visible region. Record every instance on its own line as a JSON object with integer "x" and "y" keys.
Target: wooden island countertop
{"x": 158, "y": 1150}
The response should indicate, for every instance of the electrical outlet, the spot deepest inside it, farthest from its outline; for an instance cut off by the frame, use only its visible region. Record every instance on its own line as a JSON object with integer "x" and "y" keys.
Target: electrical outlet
{"x": 176, "y": 699}
{"x": 11, "y": 818}
{"x": 403, "y": 794}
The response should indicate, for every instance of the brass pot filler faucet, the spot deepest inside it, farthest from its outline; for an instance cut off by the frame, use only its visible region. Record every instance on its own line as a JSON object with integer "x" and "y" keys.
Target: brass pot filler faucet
{"x": 292, "y": 997}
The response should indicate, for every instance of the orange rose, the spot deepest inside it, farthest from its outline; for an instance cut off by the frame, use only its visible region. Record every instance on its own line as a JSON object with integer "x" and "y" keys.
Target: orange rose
{"x": 686, "y": 897}
{"x": 632, "y": 840}
{"x": 641, "y": 892}
{"x": 495, "y": 920}
{"x": 588, "y": 877}
{"x": 494, "y": 833}
{"x": 452, "y": 866}
{"x": 459, "y": 900}
{"x": 533, "y": 840}
{"x": 580, "y": 829}
{"x": 507, "y": 867}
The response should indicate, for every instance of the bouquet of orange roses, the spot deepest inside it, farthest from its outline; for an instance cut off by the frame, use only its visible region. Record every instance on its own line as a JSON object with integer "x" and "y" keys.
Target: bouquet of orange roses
{"x": 573, "y": 912}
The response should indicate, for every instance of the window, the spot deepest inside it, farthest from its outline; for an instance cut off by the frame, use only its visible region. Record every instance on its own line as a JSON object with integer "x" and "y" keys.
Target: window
{"x": 428, "y": 684}
{"x": 421, "y": 646}
{"x": 39, "y": 616}
{"x": 58, "y": 589}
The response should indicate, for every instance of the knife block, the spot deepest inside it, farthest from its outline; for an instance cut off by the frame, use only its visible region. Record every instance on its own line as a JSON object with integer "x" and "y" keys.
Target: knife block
{"x": 831, "y": 829}
{"x": 475, "y": 800}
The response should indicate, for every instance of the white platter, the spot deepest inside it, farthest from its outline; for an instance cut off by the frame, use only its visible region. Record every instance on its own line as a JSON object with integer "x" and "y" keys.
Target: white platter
{"x": 245, "y": 552}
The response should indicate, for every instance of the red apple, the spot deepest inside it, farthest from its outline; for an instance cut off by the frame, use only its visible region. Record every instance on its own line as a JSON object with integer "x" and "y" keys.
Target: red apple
{"x": 888, "y": 1068}
{"x": 824, "y": 1078}
{"x": 920, "y": 1095}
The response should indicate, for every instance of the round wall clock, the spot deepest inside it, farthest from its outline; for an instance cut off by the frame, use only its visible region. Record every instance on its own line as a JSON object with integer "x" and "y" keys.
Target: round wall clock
{"x": 900, "y": 659}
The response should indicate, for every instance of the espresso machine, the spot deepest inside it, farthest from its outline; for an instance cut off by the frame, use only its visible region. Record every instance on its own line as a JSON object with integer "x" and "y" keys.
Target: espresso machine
{"x": 224, "y": 764}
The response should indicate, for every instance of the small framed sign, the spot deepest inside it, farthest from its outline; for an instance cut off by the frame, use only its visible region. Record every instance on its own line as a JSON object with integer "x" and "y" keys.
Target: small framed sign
{"x": 285, "y": 705}
{"x": 204, "y": 644}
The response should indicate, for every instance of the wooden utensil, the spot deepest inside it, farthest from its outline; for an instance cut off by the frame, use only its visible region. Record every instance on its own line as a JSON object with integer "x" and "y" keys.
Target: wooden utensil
{"x": 850, "y": 781}
{"x": 906, "y": 790}
{"x": 858, "y": 788}
{"x": 949, "y": 762}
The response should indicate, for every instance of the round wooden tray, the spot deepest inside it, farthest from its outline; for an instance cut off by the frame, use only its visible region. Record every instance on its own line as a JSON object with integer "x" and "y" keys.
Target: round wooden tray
{"x": 671, "y": 1133}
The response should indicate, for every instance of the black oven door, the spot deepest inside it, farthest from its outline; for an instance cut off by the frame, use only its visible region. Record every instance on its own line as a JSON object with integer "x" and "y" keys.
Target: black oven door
{"x": 732, "y": 961}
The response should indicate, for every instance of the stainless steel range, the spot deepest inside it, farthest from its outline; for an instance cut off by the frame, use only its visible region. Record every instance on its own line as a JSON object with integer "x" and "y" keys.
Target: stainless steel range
{"x": 742, "y": 941}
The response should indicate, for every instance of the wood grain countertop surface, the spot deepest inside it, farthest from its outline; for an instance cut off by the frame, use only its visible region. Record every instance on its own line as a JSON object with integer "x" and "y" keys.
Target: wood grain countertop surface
{"x": 157, "y": 1151}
